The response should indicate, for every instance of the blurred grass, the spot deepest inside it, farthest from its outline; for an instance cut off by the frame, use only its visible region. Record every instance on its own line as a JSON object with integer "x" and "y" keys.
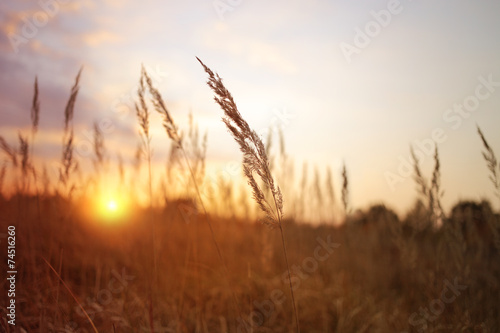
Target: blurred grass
{"x": 381, "y": 273}
{"x": 367, "y": 284}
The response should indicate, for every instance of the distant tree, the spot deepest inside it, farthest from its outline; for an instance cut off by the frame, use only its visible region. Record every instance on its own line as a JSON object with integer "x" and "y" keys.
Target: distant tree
{"x": 418, "y": 217}
{"x": 377, "y": 216}
{"x": 473, "y": 218}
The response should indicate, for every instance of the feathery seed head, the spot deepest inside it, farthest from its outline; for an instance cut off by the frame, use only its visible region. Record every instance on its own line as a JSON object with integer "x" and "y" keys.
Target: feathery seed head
{"x": 70, "y": 106}
{"x": 161, "y": 108}
{"x": 35, "y": 109}
{"x": 4, "y": 146}
{"x": 254, "y": 152}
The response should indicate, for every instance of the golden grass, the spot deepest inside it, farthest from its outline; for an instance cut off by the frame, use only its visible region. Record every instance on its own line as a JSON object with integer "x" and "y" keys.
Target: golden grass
{"x": 255, "y": 160}
{"x": 127, "y": 277}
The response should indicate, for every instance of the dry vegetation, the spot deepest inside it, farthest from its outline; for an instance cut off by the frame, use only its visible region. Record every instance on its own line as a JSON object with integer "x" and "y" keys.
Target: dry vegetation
{"x": 189, "y": 261}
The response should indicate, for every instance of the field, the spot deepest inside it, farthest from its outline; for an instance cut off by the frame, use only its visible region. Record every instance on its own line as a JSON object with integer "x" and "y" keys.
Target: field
{"x": 212, "y": 258}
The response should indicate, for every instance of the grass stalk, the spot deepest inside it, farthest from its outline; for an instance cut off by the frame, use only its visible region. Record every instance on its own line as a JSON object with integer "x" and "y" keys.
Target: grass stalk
{"x": 68, "y": 161}
{"x": 432, "y": 193}
{"x": 176, "y": 137}
{"x": 72, "y": 295}
{"x": 492, "y": 164}
{"x": 345, "y": 191}
{"x": 255, "y": 159}
{"x": 35, "y": 119}
{"x": 143, "y": 114}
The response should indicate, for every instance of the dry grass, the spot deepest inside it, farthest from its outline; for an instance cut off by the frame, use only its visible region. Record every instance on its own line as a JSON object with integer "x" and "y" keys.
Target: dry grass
{"x": 35, "y": 109}
{"x": 176, "y": 137}
{"x": 3, "y": 171}
{"x": 143, "y": 114}
{"x": 9, "y": 151}
{"x": 69, "y": 165}
{"x": 367, "y": 284}
{"x": 72, "y": 295}
{"x": 432, "y": 193}
{"x": 255, "y": 160}
{"x": 385, "y": 273}
{"x": 492, "y": 164}
{"x": 345, "y": 191}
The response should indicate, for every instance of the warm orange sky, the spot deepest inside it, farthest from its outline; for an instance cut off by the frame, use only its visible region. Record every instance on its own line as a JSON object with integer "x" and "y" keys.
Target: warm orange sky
{"x": 346, "y": 81}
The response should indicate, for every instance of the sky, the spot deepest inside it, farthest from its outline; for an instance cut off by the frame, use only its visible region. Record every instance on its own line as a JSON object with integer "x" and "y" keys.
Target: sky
{"x": 354, "y": 82}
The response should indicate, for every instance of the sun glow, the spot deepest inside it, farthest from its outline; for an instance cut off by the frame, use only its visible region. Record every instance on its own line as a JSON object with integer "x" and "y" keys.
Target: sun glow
{"x": 111, "y": 207}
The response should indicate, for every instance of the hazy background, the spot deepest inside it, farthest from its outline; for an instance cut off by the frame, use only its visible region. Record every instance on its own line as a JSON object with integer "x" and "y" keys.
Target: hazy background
{"x": 283, "y": 63}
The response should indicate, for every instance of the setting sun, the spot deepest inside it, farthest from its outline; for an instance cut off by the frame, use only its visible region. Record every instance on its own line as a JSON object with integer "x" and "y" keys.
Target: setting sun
{"x": 250, "y": 166}
{"x": 112, "y": 205}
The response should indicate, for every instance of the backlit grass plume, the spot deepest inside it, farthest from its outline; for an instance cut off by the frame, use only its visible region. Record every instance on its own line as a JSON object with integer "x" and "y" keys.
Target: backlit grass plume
{"x": 70, "y": 106}
{"x": 345, "y": 190}
{"x": 176, "y": 136}
{"x": 35, "y": 109}
{"x": 254, "y": 153}
{"x": 9, "y": 151}
{"x": 23, "y": 152}
{"x": 68, "y": 161}
{"x": 432, "y": 193}
{"x": 254, "y": 160}
{"x": 491, "y": 163}
{"x": 161, "y": 108}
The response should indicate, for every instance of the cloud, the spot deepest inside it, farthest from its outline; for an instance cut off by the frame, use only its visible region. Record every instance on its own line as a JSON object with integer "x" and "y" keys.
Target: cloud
{"x": 96, "y": 38}
{"x": 257, "y": 52}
